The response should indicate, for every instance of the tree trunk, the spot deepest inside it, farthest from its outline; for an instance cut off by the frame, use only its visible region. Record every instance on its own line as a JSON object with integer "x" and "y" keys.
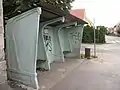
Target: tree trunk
{"x": 1, "y": 16}
{"x": 1, "y": 26}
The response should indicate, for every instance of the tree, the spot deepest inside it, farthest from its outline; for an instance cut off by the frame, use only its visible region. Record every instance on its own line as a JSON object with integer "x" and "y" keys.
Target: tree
{"x": 15, "y": 6}
{"x": 88, "y": 34}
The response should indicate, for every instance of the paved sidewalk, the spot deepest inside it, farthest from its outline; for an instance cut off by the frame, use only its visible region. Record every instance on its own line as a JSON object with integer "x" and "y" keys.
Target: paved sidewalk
{"x": 102, "y": 74}
{"x": 96, "y": 74}
{"x": 58, "y": 72}
{"x": 47, "y": 79}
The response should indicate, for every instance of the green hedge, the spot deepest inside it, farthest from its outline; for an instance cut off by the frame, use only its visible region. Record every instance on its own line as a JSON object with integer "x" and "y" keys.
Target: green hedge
{"x": 88, "y": 34}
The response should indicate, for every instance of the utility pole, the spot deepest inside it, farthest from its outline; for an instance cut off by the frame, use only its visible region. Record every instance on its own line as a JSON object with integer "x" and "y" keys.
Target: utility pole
{"x": 94, "y": 39}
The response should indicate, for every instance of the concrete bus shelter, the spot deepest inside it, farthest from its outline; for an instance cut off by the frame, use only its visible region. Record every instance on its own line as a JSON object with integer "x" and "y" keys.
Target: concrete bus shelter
{"x": 35, "y": 39}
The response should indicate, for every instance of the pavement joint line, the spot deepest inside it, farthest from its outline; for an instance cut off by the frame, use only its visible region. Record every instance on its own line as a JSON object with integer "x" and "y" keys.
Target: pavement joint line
{"x": 82, "y": 61}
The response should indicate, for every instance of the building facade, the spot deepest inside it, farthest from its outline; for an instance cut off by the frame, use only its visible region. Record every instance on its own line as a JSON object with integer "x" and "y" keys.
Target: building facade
{"x": 80, "y": 13}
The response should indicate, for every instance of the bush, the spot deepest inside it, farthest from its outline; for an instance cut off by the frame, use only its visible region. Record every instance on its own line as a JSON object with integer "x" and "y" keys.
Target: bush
{"x": 88, "y": 34}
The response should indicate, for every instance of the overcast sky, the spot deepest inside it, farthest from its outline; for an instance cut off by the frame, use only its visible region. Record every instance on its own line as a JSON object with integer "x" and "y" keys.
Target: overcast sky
{"x": 105, "y": 12}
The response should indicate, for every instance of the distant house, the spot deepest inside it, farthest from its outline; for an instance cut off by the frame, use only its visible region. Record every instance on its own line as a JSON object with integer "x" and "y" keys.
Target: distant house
{"x": 117, "y": 29}
{"x": 111, "y": 30}
{"x": 80, "y": 13}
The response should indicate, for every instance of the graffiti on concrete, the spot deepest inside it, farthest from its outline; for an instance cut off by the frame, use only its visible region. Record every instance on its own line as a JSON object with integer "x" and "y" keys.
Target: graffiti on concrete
{"x": 76, "y": 36}
{"x": 48, "y": 43}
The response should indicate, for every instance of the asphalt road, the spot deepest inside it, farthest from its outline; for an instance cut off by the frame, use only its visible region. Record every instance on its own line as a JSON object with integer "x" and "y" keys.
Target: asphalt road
{"x": 102, "y": 73}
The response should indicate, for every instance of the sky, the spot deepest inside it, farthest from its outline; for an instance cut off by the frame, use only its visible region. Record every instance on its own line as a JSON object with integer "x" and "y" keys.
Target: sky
{"x": 104, "y": 12}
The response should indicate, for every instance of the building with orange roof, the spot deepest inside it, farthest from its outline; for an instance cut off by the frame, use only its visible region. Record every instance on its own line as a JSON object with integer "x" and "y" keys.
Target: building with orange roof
{"x": 80, "y": 13}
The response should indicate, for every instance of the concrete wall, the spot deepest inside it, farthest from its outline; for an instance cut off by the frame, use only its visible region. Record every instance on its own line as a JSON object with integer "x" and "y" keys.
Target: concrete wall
{"x": 51, "y": 48}
{"x": 21, "y": 47}
{"x": 75, "y": 38}
{"x": 58, "y": 54}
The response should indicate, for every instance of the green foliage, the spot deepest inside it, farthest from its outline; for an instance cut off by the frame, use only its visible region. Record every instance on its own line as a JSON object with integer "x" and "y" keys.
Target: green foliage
{"x": 88, "y": 34}
{"x": 14, "y": 6}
